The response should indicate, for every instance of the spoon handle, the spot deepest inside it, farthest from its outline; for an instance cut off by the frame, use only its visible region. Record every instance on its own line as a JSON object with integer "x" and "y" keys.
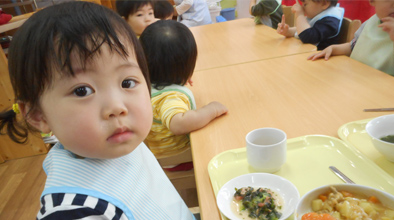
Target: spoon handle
{"x": 341, "y": 175}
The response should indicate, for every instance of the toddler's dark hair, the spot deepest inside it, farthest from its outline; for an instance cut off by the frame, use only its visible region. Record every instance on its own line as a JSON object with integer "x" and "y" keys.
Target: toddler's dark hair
{"x": 162, "y": 9}
{"x": 129, "y": 7}
{"x": 45, "y": 43}
{"x": 332, "y": 2}
{"x": 171, "y": 52}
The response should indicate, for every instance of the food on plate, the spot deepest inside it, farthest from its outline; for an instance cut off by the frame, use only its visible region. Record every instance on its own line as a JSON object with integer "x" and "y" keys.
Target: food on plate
{"x": 388, "y": 138}
{"x": 260, "y": 203}
{"x": 343, "y": 205}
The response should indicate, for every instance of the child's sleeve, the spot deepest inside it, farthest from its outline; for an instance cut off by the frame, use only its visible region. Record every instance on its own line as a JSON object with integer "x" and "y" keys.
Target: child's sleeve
{"x": 173, "y": 104}
{"x": 321, "y": 30}
{"x": 65, "y": 206}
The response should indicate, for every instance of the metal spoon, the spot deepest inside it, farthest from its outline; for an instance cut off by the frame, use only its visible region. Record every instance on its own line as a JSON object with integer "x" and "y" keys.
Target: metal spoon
{"x": 341, "y": 175}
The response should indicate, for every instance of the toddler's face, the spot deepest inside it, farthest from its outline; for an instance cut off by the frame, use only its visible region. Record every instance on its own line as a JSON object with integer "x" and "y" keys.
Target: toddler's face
{"x": 141, "y": 19}
{"x": 312, "y": 8}
{"x": 102, "y": 112}
{"x": 383, "y": 8}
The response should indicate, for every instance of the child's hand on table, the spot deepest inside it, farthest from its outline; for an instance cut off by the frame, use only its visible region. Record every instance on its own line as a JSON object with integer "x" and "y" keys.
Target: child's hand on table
{"x": 388, "y": 26}
{"x": 219, "y": 108}
{"x": 326, "y": 53}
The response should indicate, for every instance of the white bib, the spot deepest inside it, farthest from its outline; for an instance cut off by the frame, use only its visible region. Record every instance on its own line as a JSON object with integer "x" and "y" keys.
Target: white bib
{"x": 374, "y": 47}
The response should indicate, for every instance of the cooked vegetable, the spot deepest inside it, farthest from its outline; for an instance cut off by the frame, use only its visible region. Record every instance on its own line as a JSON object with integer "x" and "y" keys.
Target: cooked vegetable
{"x": 345, "y": 205}
{"x": 260, "y": 204}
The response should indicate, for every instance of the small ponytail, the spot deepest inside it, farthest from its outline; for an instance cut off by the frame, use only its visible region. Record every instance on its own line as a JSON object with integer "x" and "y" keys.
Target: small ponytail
{"x": 11, "y": 127}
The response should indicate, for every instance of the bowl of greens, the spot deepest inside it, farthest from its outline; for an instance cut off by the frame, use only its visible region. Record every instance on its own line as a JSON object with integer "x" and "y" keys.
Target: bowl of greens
{"x": 381, "y": 131}
{"x": 258, "y": 196}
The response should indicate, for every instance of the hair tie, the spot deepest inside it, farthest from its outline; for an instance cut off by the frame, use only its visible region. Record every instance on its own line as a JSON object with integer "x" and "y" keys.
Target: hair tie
{"x": 15, "y": 107}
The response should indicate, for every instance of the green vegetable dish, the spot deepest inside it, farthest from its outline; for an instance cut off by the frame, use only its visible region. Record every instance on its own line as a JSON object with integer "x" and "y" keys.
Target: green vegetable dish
{"x": 260, "y": 203}
{"x": 388, "y": 138}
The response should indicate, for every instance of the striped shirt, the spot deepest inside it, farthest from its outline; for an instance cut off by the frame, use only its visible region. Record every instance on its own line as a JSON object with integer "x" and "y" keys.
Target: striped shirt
{"x": 166, "y": 103}
{"x": 129, "y": 187}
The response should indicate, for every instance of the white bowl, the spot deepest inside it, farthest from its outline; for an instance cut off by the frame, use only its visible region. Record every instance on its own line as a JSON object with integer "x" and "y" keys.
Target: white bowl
{"x": 380, "y": 127}
{"x": 278, "y": 184}
{"x": 305, "y": 204}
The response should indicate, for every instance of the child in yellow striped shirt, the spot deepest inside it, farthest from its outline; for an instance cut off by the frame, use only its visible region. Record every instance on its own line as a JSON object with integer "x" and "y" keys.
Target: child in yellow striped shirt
{"x": 171, "y": 53}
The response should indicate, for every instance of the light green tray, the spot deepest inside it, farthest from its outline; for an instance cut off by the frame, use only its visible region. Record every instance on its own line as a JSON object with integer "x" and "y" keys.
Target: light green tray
{"x": 354, "y": 134}
{"x": 308, "y": 159}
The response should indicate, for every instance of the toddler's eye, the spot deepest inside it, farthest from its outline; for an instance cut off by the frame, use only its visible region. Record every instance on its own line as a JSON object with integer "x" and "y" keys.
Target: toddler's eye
{"x": 128, "y": 83}
{"x": 83, "y": 91}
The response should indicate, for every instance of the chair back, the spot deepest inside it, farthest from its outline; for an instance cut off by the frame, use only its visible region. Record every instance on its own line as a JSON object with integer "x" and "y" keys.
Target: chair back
{"x": 348, "y": 28}
{"x": 289, "y": 16}
{"x": 180, "y": 179}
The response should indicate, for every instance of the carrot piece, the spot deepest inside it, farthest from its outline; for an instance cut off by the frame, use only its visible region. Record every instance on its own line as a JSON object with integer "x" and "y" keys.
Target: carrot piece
{"x": 323, "y": 197}
{"x": 373, "y": 199}
{"x": 346, "y": 194}
{"x": 315, "y": 216}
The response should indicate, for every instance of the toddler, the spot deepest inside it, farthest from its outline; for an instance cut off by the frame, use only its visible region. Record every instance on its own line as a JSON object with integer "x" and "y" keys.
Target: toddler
{"x": 163, "y": 10}
{"x": 138, "y": 13}
{"x": 171, "y": 53}
{"x": 85, "y": 79}
{"x": 267, "y": 12}
{"x": 192, "y": 12}
{"x": 316, "y": 22}
{"x": 373, "y": 41}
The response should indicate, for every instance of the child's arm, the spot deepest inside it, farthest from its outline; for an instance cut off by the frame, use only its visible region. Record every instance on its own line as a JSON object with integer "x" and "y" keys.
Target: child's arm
{"x": 333, "y": 50}
{"x": 301, "y": 23}
{"x": 388, "y": 26}
{"x": 184, "y": 123}
{"x": 284, "y": 28}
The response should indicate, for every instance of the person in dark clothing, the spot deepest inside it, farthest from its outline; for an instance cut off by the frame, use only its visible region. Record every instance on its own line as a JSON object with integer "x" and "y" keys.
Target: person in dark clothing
{"x": 317, "y": 22}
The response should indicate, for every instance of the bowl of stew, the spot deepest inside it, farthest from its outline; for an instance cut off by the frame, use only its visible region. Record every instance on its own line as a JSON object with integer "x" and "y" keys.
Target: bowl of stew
{"x": 381, "y": 131}
{"x": 345, "y": 201}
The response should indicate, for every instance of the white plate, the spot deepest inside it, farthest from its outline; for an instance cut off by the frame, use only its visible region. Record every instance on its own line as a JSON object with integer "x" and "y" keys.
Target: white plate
{"x": 278, "y": 184}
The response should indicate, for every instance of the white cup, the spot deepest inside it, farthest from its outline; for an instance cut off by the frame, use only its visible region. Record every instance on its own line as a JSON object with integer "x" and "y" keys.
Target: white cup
{"x": 266, "y": 149}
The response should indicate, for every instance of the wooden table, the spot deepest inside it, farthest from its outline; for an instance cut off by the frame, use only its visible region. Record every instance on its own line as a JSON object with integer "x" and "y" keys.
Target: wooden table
{"x": 290, "y": 93}
{"x": 240, "y": 41}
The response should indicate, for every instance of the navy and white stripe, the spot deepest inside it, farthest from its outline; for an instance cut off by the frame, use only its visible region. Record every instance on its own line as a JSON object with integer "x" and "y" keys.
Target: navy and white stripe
{"x": 62, "y": 206}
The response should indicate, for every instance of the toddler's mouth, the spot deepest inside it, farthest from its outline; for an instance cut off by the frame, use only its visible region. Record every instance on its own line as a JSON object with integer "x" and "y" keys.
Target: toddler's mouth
{"x": 120, "y": 135}
{"x": 391, "y": 15}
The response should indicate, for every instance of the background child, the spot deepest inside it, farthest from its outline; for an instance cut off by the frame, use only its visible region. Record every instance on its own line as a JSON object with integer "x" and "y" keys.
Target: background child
{"x": 138, "y": 13}
{"x": 373, "y": 41}
{"x": 192, "y": 12}
{"x": 163, "y": 10}
{"x": 85, "y": 79}
{"x": 171, "y": 53}
{"x": 316, "y": 22}
{"x": 268, "y": 12}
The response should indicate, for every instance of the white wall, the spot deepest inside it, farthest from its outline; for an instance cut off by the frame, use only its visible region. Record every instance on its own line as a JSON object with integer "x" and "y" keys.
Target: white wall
{"x": 243, "y": 8}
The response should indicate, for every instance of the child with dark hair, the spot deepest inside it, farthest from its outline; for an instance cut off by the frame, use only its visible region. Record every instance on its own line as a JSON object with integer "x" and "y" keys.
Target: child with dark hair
{"x": 373, "y": 42}
{"x": 171, "y": 53}
{"x": 267, "y": 12}
{"x": 85, "y": 79}
{"x": 316, "y": 22}
{"x": 138, "y": 13}
{"x": 163, "y": 10}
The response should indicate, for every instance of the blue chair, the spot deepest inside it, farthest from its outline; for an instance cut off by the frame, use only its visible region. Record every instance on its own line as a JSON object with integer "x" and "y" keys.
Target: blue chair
{"x": 220, "y": 19}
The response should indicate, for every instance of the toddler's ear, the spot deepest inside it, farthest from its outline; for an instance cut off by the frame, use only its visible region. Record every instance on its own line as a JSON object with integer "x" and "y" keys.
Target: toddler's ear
{"x": 326, "y": 4}
{"x": 34, "y": 117}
